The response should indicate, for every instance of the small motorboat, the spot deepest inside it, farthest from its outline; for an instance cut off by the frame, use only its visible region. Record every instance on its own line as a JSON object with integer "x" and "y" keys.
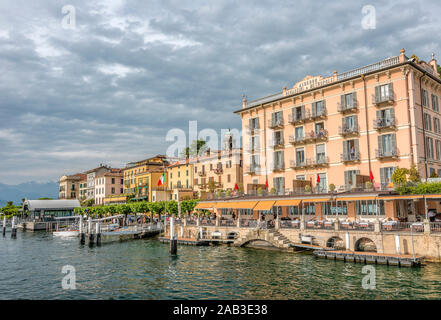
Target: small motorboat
{"x": 66, "y": 233}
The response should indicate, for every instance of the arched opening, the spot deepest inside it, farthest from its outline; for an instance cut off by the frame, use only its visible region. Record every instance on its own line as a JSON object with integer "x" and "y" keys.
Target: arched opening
{"x": 232, "y": 235}
{"x": 366, "y": 245}
{"x": 336, "y": 243}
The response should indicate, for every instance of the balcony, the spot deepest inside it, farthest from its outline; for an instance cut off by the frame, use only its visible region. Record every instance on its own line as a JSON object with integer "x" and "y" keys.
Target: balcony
{"x": 296, "y": 140}
{"x": 278, "y": 143}
{"x": 294, "y": 164}
{"x": 348, "y": 107}
{"x": 320, "y": 161}
{"x": 384, "y": 123}
{"x": 276, "y": 124}
{"x": 383, "y": 99}
{"x": 251, "y": 130}
{"x": 278, "y": 167}
{"x": 252, "y": 149}
{"x": 312, "y": 136}
{"x": 318, "y": 113}
{"x": 350, "y": 156}
{"x": 384, "y": 154}
{"x": 202, "y": 173}
{"x": 348, "y": 131}
{"x": 301, "y": 117}
{"x": 253, "y": 169}
{"x": 218, "y": 171}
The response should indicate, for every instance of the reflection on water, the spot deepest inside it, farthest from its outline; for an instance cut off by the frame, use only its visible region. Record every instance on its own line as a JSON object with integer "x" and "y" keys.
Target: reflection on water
{"x": 31, "y": 269}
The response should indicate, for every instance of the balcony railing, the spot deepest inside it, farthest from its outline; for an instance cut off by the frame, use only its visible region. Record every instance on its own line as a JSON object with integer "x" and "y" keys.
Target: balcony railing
{"x": 201, "y": 173}
{"x": 218, "y": 171}
{"x": 329, "y": 225}
{"x": 318, "y": 113}
{"x": 297, "y": 139}
{"x": 289, "y": 224}
{"x": 248, "y": 223}
{"x": 312, "y": 136}
{"x": 320, "y": 161}
{"x": 278, "y": 167}
{"x": 350, "y": 156}
{"x": 347, "y": 107}
{"x": 392, "y": 226}
{"x": 391, "y": 153}
{"x": 383, "y": 98}
{"x": 346, "y": 131}
{"x": 273, "y": 124}
{"x": 278, "y": 143}
{"x": 298, "y": 164}
{"x": 384, "y": 123}
{"x": 361, "y": 226}
{"x": 299, "y": 117}
{"x": 253, "y": 169}
{"x": 251, "y": 130}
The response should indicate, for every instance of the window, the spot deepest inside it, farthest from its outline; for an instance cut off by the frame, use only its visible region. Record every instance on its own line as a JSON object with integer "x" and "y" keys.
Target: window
{"x": 322, "y": 186}
{"x": 254, "y": 161}
{"x": 299, "y": 133}
{"x": 350, "y": 150}
{"x": 277, "y": 118}
{"x": 122, "y": 181}
{"x": 278, "y": 159}
{"x": 318, "y": 108}
{"x": 179, "y": 174}
{"x": 113, "y": 190}
{"x": 309, "y": 208}
{"x": 279, "y": 185}
{"x": 425, "y": 98}
{"x": 320, "y": 153}
{"x": 435, "y": 105}
{"x": 195, "y": 181}
{"x": 369, "y": 208}
{"x": 300, "y": 156}
{"x": 254, "y": 143}
{"x": 254, "y": 123}
{"x": 427, "y": 122}
{"x": 319, "y": 128}
{"x": 429, "y": 147}
{"x": 438, "y": 149}
{"x": 293, "y": 210}
{"x": 386, "y": 175}
{"x": 431, "y": 172}
{"x": 387, "y": 145}
{"x": 301, "y": 177}
{"x": 113, "y": 180}
{"x": 299, "y": 113}
{"x": 278, "y": 138}
{"x": 335, "y": 208}
{"x": 229, "y": 178}
{"x": 350, "y": 178}
{"x": 436, "y": 126}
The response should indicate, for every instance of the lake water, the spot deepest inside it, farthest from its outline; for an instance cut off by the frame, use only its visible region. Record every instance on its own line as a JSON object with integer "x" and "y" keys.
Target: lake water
{"x": 30, "y": 268}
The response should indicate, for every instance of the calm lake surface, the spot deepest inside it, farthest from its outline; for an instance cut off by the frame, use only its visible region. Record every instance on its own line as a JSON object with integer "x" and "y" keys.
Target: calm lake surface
{"x": 30, "y": 268}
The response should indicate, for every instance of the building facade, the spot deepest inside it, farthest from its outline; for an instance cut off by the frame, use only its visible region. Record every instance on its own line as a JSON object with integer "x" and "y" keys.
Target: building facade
{"x": 90, "y": 177}
{"x": 180, "y": 180}
{"x": 345, "y": 129}
{"x": 108, "y": 184}
{"x": 70, "y": 186}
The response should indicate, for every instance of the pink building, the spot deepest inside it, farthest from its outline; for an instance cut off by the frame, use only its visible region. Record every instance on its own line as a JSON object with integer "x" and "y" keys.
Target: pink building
{"x": 108, "y": 184}
{"x": 340, "y": 129}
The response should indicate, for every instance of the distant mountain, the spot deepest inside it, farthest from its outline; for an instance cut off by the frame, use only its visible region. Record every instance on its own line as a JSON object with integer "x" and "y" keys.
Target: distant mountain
{"x": 28, "y": 190}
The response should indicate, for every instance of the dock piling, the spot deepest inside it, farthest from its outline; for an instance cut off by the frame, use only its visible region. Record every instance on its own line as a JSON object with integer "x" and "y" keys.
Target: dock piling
{"x": 4, "y": 226}
{"x": 82, "y": 235}
{"x": 173, "y": 238}
{"x": 14, "y": 228}
{"x": 98, "y": 234}
{"x": 90, "y": 232}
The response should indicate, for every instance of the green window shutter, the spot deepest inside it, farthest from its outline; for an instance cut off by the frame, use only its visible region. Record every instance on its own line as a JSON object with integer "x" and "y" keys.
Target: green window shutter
{"x": 391, "y": 89}
{"x": 314, "y": 108}
{"x": 273, "y": 118}
{"x": 356, "y": 147}
{"x": 380, "y": 144}
{"x": 303, "y": 110}
{"x": 355, "y": 122}
{"x": 394, "y": 141}
{"x": 382, "y": 175}
{"x": 345, "y": 147}
{"x": 378, "y": 114}
{"x": 377, "y": 93}
{"x": 250, "y": 124}
{"x": 392, "y": 114}
{"x": 354, "y": 98}
{"x": 346, "y": 177}
{"x": 343, "y": 122}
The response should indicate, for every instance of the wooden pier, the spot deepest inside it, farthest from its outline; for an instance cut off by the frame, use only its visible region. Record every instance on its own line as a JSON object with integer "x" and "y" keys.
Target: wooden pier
{"x": 371, "y": 258}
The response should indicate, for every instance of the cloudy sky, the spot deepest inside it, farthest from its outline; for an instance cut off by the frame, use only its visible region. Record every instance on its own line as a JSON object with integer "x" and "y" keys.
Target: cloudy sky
{"x": 110, "y": 89}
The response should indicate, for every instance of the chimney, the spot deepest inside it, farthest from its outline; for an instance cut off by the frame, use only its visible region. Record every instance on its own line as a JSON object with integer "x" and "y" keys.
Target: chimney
{"x": 244, "y": 101}
{"x": 434, "y": 64}
{"x": 402, "y": 55}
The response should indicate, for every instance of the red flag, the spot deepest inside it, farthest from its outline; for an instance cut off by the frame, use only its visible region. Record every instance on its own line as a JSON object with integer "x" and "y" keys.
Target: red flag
{"x": 371, "y": 176}
{"x": 318, "y": 179}
{"x": 266, "y": 184}
{"x": 236, "y": 187}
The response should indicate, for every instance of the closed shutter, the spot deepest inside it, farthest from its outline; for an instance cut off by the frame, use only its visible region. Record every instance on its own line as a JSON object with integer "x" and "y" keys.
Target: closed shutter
{"x": 343, "y": 123}
{"x": 282, "y": 158}
{"x": 382, "y": 175}
{"x": 347, "y": 177}
{"x": 302, "y": 108}
{"x": 356, "y": 147}
{"x": 378, "y": 115}
{"x": 380, "y": 144}
{"x": 257, "y": 141}
{"x": 257, "y": 123}
{"x": 273, "y": 118}
{"x": 377, "y": 93}
{"x": 314, "y": 108}
{"x": 354, "y": 99}
{"x": 250, "y": 146}
{"x": 394, "y": 142}
{"x": 343, "y": 102}
{"x": 250, "y": 124}
{"x": 392, "y": 114}
{"x": 391, "y": 90}
{"x": 345, "y": 148}
{"x": 355, "y": 122}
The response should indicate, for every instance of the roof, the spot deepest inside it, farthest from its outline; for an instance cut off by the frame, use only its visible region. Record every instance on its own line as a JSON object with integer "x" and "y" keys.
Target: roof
{"x": 77, "y": 176}
{"x": 51, "y": 204}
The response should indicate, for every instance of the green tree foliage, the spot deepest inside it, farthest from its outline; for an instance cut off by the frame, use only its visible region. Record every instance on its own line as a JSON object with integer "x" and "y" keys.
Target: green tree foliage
{"x": 9, "y": 210}
{"x": 414, "y": 175}
{"x": 399, "y": 177}
{"x": 172, "y": 208}
{"x": 439, "y": 70}
{"x": 45, "y": 199}
{"x": 434, "y": 175}
{"x": 197, "y": 147}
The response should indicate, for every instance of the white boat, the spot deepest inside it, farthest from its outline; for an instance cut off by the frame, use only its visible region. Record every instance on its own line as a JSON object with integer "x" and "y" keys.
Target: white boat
{"x": 66, "y": 233}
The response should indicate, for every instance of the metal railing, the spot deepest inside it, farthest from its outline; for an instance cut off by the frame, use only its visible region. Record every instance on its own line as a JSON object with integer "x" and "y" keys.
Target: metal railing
{"x": 402, "y": 226}
{"x": 350, "y": 156}
{"x": 382, "y": 123}
{"x": 278, "y": 167}
{"x": 289, "y": 224}
{"x": 298, "y": 164}
{"x": 318, "y": 113}
{"x": 345, "y": 130}
{"x": 323, "y": 225}
{"x": 278, "y": 143}
{"x": 251, "y": 130}
{"x": 347, "y": 106}
{"x": 248, "y": 223}
{"x": 227, "y": 223}
{"x": 370, "y": 68}
{"x": 320, "y": 161}
{"x": 299, "y": 117}
{"x": 361, "y": 226}
{"x": 389, "y": 97}
{"x": 275, "y": 124}
{"x": 297, "y": 139}
{"x": 253, "y": 169}
{"x": 435, "y": 227}
{"x": 208, "y": 222}
{"x": 386, "y": 153}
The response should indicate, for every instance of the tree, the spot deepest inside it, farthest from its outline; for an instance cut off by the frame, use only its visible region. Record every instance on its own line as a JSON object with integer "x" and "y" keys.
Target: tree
{"x": 211, "y": 186}
{"x": 414, "y": 175}
{"x": 9, "y": 210}
{"x": 44, "y": 198}
{"x": 196, "y": 148}
{"x": 434, "y": 175}
{"x": 399, "y": 177}
{"x": 188, "y": 205}
{"x": 439, "y": 70}
{"x": 172, "y": 208}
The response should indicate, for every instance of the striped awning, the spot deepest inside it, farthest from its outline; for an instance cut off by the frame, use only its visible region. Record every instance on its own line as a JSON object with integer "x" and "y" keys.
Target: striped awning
{"x": 236, "y": 205}
{"x": 287, "y": 203}
{"x": 205, "y": 205}
{"x": 264, "y": 205}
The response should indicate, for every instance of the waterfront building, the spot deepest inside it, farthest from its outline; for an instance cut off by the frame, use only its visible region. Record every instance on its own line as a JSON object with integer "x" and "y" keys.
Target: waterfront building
{"x": 147, "y": 188}
{"x": 91, "y": 175}
{"x": 45, "y": 210}
{"x": 83, "y": 188}
{"x": 180, "y": 180}
{"x": 346, "y": 129}
{"x": 70, "y": 186}
{"x": 108, "y": 185}
{"x": 135, "y": 170}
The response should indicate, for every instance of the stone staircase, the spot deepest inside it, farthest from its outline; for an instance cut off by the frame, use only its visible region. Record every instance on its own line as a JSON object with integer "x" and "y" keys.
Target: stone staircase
{"x": 272, "y": 236}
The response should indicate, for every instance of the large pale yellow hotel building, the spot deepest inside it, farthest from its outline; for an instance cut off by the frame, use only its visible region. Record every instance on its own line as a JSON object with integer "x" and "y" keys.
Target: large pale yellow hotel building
{"x": 339, "y": 129}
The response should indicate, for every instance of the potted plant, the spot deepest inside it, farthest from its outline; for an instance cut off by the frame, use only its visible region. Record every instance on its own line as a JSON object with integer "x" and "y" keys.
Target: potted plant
{"x": 308, "y": 188}
{"x": 368, "y": 185}
{"x": 273, "y": 191}
{"x": 260, "y": 191}
{"x": 332, "y": 187}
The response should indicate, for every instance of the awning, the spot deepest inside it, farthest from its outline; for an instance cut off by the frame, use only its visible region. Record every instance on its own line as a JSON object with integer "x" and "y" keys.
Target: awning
{"x": 433, "y": 196}
{"x": 236, "y": 205}
{"x": 355, "y": 198}
{"x": 264, "y": 205}
{"x": 287, "y": 203}
{"x": 205, "y": 205}
{"x": 317, "y": 200}
{"x": 404, "y": 197}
